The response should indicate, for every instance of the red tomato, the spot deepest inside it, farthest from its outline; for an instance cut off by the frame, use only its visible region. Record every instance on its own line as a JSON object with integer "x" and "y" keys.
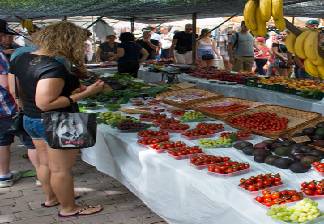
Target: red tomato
{"x": 259, "y": 199}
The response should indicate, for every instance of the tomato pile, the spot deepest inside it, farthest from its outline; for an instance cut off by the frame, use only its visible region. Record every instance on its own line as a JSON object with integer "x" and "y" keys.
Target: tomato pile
{"x": 260, "y": 121}
{"x": 152, "y": 117}
{"x": 319, "y": 167}
{"x": 210, "y": 126}
{"x": 179, "y": 127}
{"x": 150, "y": 133}
{"x": 168, "y": 145}
{"x": 178, "y": 112}
{"x": 184, "y": 151}
{"x": 161, "y": 121}
{"x": 225, "y": 109}
{"x": 313, "y": 188}
{"x": 239, "y": 135}
{"x": 243, "y": 135}
{"x": 228, "y": 167}
{"x": 204, "y": 159}
{"x": 260, "y": 182}
{"x": 198, "y": 133}
{"x": 269, "y": 198}
{"x": 152, "y": 140}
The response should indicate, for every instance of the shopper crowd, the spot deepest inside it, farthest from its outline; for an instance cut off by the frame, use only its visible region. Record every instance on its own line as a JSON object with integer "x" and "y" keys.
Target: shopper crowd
{"x": 238, "y": 51}
{"x": 45, "y": 76}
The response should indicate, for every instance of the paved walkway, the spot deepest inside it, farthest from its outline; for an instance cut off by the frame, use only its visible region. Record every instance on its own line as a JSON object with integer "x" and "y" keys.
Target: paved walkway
{"x": 20, "y": 204}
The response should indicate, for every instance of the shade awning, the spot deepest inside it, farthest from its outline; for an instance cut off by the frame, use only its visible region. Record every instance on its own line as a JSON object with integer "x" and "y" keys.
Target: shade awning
{"x": 143, "y": 10}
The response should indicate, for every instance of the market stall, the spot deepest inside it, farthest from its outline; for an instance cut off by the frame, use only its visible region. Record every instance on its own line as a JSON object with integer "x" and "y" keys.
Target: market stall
{"x": 176, "y": 190}
{"x": 172, "y": 186}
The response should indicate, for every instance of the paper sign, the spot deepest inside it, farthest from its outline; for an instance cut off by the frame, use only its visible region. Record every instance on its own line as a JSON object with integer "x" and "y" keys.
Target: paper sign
{"x": 301, "y": 139}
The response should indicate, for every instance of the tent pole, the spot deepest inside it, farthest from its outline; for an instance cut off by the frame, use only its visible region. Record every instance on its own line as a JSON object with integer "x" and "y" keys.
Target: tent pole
{"x": 132, "y": 21}
{"x": 194, "y": 31}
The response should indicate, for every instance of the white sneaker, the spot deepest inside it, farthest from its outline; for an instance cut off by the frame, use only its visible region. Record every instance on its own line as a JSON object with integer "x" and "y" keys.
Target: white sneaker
{"x": 8, "y": 183}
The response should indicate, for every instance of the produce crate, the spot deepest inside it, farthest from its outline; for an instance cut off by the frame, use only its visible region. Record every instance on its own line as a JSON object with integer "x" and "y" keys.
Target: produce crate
{"x": 181, "y": 98}
{"x": 296, "y": 118}
{"x": 199, "y": 106}
{"x": 306, "y": 125}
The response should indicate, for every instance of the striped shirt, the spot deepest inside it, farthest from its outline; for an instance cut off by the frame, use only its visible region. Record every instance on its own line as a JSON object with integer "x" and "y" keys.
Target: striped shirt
{"x": 7, "y": 103}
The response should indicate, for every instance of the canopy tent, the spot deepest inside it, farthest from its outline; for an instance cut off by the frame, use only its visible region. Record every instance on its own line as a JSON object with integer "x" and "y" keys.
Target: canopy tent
{"x": 143, "y": 10}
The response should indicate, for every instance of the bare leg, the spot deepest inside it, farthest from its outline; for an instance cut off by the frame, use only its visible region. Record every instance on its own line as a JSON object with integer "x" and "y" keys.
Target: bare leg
{"x": 61, "y": 163}
{"x": 43, "y": 172}
{"x": 33, "y": 157}
{"x": 4, "y": 160}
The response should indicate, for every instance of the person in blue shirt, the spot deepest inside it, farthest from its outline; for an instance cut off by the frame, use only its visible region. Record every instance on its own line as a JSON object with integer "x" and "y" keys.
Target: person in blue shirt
{"x": 8, "y": 108}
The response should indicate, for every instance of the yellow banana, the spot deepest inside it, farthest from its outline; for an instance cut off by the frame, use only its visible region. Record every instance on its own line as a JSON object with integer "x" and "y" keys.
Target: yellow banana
{"x": 277, "y": 9}
{"x": 299, "y": 44}
{"x": 290, "y": 42}
{"x": 265, "y": 9}
{"x": 262, "y": 25}
{"x": 310, "y": 45}
{"x": 280, "y": 24}
{"x": 319, "y": 61}
{"x": 249, "y": 14}
{"x": 310, "y": 68}
{"x": 321, "y": 71}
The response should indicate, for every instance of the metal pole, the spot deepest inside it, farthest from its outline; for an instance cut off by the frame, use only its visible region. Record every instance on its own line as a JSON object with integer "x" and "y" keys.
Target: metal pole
{"x": 132, "y": 21}
{"x": 194, "y": 31}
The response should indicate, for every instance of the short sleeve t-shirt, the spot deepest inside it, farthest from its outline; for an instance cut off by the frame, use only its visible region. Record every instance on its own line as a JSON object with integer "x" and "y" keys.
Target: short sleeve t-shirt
{"x": 132, "y": 52}
{"x": 244, "y": 46}
{"x": 106, "y": 49}
{"x": 184, "y": 41}
{"x": 29, "y": 69}
{"x": 146, "y": 46}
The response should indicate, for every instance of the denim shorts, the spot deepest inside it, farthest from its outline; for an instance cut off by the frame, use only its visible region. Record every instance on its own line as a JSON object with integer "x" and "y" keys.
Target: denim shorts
{"x": 7, "y": 136}
{"x": 34, "y": 127}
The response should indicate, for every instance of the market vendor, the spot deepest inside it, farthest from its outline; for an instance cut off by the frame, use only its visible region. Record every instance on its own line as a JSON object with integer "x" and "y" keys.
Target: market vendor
{"x": 130, "y": 54}
{"x": 107, "y": 51}
{"x": 150, "y": 45}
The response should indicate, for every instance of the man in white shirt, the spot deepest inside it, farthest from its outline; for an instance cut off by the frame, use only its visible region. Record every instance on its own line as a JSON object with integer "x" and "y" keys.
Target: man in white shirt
{"x": 166, "y": 42}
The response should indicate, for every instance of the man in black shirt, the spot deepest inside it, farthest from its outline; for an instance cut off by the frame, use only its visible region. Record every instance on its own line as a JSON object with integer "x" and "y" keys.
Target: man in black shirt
{"x": 182, "y": 45}
{"x": 151, "y": 46}
{"x": 107, "y": 51}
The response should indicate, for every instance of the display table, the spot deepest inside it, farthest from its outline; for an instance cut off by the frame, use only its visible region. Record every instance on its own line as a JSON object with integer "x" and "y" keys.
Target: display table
{"x": 178, "y": 192}
{"x": 257, "y": 94}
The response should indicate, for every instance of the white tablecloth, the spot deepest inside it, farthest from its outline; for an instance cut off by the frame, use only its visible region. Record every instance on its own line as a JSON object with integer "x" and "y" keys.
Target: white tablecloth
{"x": 178, "y": 192}
{"x": 257, "y": 94}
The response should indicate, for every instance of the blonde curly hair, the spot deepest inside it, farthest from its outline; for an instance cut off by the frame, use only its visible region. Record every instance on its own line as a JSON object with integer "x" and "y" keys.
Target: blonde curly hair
{"x": 63, "y": 39}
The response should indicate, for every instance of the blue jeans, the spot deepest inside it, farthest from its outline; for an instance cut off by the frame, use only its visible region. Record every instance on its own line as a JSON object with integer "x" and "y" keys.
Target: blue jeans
{"x": 34, "y": 127}
{"x": 7, "y": 136}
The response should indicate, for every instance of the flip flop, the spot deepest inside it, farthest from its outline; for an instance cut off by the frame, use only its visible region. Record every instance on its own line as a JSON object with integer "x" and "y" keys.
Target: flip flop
{"x": 57, "y": 203}
{"x": 81, "y": 211}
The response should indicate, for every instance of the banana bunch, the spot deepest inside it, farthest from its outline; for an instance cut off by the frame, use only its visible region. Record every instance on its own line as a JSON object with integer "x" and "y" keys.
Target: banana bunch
{"x": 27, "y": 24}
{"x": 258, "y": 12}
{"x": 306, "y": 47}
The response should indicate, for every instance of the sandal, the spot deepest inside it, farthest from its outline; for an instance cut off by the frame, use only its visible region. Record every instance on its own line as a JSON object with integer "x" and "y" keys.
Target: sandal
{"x": 88, "y": 210}
{"x": 57, "y": 203}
